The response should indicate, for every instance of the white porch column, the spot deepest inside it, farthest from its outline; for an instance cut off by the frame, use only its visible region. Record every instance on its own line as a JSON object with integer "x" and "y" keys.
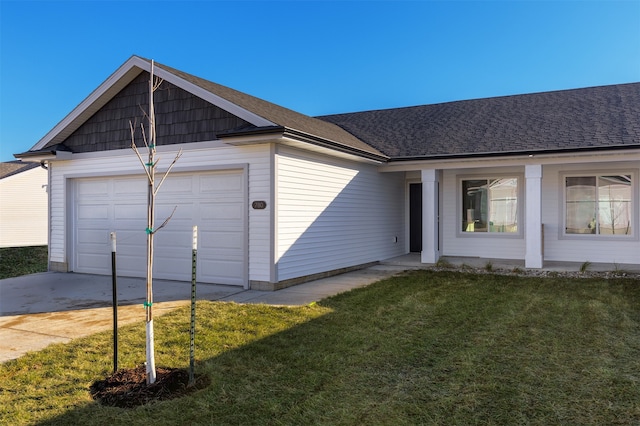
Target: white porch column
{"x": 430, "y": 252}
{"x": 533, "y": 256}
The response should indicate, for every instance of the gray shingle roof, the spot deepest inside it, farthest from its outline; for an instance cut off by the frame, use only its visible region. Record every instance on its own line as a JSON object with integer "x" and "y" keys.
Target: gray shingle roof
{"x": 591, "y": 118}
{"x": 596, "y": 118}
{"x": 281, "y": 116}
{"x": 11, "y": 168}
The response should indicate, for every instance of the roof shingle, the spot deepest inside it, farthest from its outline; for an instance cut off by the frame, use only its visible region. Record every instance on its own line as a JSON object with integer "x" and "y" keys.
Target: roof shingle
{"x": 11, "y": 168}
{"x": 596, "y": 118}
{"x": 279, "y": 115}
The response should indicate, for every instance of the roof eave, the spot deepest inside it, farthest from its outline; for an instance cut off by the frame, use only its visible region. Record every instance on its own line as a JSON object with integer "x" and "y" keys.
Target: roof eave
{"x": 44, "y": 155}
{"x": 336, "y": 146}
{"x": 265, "y": 134}
{"x": 530, "y": 153}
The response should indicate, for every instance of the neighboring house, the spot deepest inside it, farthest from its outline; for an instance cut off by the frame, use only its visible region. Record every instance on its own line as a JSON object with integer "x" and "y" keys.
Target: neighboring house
{"x": 23, "y": 204}
{"x": 280, "y": 197}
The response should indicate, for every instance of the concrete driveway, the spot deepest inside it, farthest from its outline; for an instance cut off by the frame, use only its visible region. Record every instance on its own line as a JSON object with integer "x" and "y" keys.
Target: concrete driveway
{"x": 57, "y": 291}
{"x": 54, "y": 307}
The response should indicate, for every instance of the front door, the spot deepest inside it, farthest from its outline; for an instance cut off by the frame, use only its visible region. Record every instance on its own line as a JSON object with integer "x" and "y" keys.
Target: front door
{"x": 415, "y": 217}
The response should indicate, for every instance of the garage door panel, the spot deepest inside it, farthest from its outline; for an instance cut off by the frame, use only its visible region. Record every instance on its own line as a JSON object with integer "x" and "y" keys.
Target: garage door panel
{"x": 222, "y": 254}
{"x": 175, "y": 185}
{"x": 131, "y": 233}
{"x": 172, "y": 242}
{"x": 135, "y": 188}
{"x": 101, "y": 250}
{"x": 220, "y": 271}
{"x": 93, "y": 211}
{"x": 215, "y": 201}
{"x": 95, "y": 263}
{"x": 130, "y": 211}
{"x": 221, "y": 182}
{"x": 221, "y": 240}
{"x": 93, "y": 189}
{"x": 132, "y": 265}
{"x": 135, "y": 264}
{"x": 93, "y": 236}
{"x": 222, "y": 210}
{"x": 172, "y": 267}
{"x": 183, "y": 211}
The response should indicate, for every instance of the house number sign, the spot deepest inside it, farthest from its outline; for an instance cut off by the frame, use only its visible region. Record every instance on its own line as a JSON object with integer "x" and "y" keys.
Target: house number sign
{"x": 259, "y": 205}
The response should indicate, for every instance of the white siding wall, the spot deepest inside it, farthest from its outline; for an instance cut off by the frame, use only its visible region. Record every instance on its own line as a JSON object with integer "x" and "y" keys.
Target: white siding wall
{"x": 476, "y": 244}
{"x": 125, "y": 162}
{"x": 23, "y": 209}
{"x": 581, "y": 248}
{"x": 334, "y": 213}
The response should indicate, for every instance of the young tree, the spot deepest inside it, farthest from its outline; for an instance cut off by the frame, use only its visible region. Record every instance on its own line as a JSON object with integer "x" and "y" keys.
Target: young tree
{"x": 149, "y": 139}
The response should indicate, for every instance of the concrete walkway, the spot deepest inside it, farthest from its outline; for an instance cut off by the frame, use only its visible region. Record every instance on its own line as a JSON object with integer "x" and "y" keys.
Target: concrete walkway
{"x": 52, "y": 307}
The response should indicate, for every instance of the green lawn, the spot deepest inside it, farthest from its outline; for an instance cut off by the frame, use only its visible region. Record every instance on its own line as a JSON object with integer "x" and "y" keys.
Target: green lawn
{"x": 427, "y": 347}
{"x": 17, "y": 261}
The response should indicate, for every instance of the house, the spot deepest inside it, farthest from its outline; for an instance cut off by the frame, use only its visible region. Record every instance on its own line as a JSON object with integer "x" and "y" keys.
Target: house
{"x": 23, "y": 204}
{"x": 280, "y": 197}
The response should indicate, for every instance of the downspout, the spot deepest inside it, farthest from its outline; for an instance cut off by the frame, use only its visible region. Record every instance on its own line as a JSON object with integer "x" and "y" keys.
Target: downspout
{"x": 44, "y": 165}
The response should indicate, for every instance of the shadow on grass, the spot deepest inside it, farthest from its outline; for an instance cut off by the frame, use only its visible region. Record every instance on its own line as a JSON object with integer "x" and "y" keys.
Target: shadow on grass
{"x": 424, "y": 348}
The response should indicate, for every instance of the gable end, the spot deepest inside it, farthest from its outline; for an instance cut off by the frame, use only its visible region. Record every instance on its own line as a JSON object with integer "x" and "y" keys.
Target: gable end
{"x": 181, "y": 117}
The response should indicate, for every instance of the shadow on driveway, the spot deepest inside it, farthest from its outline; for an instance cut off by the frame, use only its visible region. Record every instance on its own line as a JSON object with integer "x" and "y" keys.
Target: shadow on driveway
{"x": 58, "y": 291}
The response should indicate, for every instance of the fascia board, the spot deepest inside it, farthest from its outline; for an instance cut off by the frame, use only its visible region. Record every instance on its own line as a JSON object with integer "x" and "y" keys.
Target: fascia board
{"x": 516, "y": 160}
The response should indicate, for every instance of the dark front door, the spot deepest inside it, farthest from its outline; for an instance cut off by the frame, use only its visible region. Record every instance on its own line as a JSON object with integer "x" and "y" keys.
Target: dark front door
{"x": 415, "y": 217}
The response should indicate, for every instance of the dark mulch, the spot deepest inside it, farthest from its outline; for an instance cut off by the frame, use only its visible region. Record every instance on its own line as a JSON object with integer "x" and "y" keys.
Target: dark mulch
{"x": 127, "y": 388}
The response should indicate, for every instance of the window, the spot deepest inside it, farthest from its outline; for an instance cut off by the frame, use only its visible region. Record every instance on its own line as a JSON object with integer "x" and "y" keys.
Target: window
{"x": 490, "y": 205}
{"x": 598, "y": 204}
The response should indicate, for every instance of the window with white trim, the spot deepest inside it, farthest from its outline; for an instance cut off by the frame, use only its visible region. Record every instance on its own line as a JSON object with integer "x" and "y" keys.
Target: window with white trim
{"x": 490, "y": 205}
{"x": 599, "y": 204}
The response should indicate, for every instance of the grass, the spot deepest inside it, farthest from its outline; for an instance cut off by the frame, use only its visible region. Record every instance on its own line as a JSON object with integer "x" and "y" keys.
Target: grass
{"x": 422, "y": 348}
{"x": 17, "y": 261}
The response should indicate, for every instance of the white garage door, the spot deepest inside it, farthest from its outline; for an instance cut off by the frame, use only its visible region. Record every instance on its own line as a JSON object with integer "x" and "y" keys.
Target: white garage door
{"x": 214, "y": 201}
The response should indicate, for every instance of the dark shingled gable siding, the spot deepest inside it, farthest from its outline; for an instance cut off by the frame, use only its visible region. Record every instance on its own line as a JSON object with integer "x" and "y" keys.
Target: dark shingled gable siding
{"x": 180, "y": 118}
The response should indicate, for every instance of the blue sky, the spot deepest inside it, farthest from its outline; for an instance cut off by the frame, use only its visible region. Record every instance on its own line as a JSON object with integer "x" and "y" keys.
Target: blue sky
{"x": 317, "y": 58}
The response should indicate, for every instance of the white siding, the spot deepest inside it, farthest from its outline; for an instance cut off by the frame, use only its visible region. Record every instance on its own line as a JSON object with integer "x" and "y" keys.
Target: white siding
{"x": 334, "y": 213}
{"x": 124, "y": 162}
{"x": 581, "y": 248}
{"x": 23, "y": 209}
{"x": 477, "y": 244}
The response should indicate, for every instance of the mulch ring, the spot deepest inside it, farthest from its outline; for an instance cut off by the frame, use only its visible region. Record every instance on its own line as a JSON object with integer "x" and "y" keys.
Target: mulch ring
{"x": 127, "y": 388}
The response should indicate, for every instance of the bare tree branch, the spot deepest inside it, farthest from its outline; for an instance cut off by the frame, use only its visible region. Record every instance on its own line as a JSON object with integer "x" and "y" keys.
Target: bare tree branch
{"x": 157, "y": 83}
{"x": 135, "y": 149}
{"x": 165, "y": 221}
{"x": 144, "y": 113}
{"x": 144, "y": 136}
{"x": 178, "y": 155}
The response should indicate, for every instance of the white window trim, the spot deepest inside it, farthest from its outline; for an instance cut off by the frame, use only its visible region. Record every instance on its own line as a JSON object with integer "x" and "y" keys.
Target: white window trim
{"x": 521, "y": 206}
{"x": 635, "y": 198}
